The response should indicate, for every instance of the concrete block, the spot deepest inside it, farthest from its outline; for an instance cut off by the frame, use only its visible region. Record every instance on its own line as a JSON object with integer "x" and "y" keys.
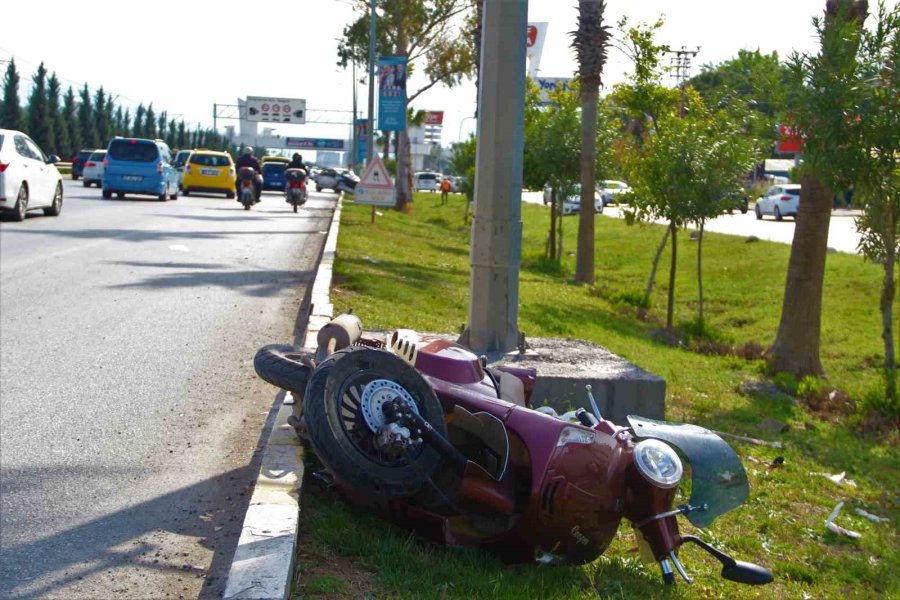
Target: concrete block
{"x": 564, "y": 367}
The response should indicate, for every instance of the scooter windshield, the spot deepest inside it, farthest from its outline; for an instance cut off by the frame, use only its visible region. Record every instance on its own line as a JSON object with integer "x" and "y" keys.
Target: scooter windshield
{"x": 718, "y": 479}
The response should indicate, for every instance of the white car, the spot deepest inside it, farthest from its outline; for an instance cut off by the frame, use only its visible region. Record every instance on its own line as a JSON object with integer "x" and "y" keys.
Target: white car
{"x": 612, "y": 191}
{"x": 779, "y": 201}
{"x": 28, "y": 177}
{"x": 93, "y": 169}
{"x": 572, "y": 204}
{"x": 426, "y": 181}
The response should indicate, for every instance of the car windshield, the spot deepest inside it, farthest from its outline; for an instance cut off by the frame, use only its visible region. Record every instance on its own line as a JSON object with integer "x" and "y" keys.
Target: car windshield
{"x": 97, "y": 156}
{"x": 133, "y": 150}
{"x": 427, "y": 176}
{"x": 274, "y": 168}
{"x": 209, "y": 160}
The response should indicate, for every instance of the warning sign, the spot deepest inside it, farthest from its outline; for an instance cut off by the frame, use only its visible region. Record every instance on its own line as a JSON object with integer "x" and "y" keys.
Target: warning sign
{"x": 375, "y": 187}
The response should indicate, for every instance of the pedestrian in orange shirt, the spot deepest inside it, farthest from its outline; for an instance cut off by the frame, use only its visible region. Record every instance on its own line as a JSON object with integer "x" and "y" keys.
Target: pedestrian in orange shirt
{"x": 445, "y": 189}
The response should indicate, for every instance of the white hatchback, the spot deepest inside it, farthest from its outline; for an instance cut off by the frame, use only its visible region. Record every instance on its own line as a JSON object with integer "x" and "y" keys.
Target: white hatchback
{"x": 93, "y": 169}
{"x": 28, "y": 177}
{"x": 779, "y": 201}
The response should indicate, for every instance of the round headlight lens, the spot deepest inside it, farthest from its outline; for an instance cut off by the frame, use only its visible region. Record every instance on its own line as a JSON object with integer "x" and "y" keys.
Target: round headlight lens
{"x": 658, "y": 462}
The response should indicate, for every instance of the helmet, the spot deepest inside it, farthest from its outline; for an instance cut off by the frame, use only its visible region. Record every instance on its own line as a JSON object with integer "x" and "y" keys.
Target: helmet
{"x": 247, "y": 150}
{"x": 297, "y": 156}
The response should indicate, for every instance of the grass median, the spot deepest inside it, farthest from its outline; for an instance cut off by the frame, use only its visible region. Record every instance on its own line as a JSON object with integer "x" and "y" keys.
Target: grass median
{"x": 412, "y": 270}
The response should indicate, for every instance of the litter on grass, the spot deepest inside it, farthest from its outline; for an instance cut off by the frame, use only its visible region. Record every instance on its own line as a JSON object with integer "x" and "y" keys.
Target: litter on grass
{"x": 871, "y": 517}
{"x": 832, "y": 526}
{"x": 838, "y": 479}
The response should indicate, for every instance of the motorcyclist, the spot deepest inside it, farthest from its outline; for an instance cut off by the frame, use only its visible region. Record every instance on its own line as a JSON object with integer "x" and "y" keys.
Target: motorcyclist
{"x": 246, "y": 159}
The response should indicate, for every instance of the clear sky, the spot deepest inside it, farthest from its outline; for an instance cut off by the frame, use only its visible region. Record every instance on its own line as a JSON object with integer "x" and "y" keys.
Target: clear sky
{"x": 186, "y": 55}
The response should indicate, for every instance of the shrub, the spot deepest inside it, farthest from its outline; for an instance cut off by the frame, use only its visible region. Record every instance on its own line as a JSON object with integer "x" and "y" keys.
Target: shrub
{"x": 786, "y": 382}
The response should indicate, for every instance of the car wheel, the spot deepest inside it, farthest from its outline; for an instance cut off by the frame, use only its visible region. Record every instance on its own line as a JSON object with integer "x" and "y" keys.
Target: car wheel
{"x": 758, "y": 213}
{"x": 318, "y": 189}
{"x": 188, "y": 193}
{"x": 120, "y": 194}
{"x": 744, "y": 209}
{"x": 229, "y": 195}
{"x": 54, "y": 209}
{"x": 174, "y": 196}
{"x": 778, "y": 216}
{"x": 86, "y": 184}
{"x": 21, "y": 207}
{"x": 107, "y": 194}
{"x": 74, "y": 177}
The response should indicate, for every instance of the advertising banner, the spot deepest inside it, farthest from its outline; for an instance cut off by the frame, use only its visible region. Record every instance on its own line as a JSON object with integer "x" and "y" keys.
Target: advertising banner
{"x": 434, "y": 117}
{"x": 535, "y": 36}
{"x": 361, "y": 139}
{"x": 392, "y": 93}
{"x": 549, "y": 84}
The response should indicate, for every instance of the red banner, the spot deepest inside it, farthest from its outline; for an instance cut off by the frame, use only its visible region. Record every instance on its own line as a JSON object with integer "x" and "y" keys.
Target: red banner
{"x": 434, "y": 117}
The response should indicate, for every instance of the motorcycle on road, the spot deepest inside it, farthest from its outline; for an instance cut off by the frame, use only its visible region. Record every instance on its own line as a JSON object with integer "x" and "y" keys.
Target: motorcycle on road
{"x": 295, "y": 187}
{"x": 248, "y": 188}
{"x": 422, "y": 431}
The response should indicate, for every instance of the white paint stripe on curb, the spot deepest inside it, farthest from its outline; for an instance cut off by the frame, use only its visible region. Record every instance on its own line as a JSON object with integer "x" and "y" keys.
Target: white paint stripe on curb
{"x": 263, "y": 562}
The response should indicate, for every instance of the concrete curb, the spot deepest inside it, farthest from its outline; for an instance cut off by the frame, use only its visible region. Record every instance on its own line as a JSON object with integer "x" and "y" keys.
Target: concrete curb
{"x": 263, "y": 563}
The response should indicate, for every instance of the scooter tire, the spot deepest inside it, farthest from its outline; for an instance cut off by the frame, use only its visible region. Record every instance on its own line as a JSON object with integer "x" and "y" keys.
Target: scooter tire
{"x": 285, "y": 367}
{"x": 325, "y": 414}
{"x": 296, "y": 207}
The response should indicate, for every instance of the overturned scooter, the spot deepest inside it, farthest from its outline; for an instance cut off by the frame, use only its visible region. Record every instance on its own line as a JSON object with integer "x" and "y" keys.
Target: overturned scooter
{"x": 422, "y": 431}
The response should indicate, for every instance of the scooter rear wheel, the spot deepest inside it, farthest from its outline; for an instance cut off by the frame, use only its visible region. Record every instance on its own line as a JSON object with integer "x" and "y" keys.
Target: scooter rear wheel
{"x": 336, "y": 420}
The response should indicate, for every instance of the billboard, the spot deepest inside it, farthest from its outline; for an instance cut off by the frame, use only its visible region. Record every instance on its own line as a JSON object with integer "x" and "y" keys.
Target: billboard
{"x": 789, "y": 140}
{"x": 534, "y": 44}
{"x": 361, "y": 140}
{"x": 392, "y": 93}
{"x": 549, "y": 84}
{"x": 434, "y": 117}
{"x": 276, "y": 110}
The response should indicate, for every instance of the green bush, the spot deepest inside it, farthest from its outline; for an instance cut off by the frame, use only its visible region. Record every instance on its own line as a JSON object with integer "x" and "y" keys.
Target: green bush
{"x": 875, "y": 403}
{"x": 787, "y": 383}
{"x": 810, "y": 387}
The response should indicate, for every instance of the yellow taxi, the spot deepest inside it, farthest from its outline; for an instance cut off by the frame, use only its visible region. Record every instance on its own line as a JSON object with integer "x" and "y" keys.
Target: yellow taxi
{"x": 275, "y": 159}
{"x": 209, "y": 171}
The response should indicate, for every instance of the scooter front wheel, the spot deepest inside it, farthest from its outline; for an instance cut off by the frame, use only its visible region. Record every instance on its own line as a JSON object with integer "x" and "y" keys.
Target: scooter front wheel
{"x": 343, "y": 414}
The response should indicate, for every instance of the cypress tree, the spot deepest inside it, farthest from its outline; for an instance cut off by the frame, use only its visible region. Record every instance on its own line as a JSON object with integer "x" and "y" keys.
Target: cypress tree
{"x": 100, "y": 116}
{"x": 117, "y": 126}
{"x": 10, "y": 109}
{"x": 182, "y": 136}
{"x": 125, "y": 131}
{"x": 40, "y": 127}
{"x": 86, "y": 121}
{"x": 172, "y": 135}
{"x": 60, "y": 142}
{"x": 70, "y": 119}
{"x": 138, "y": 128}
{"x": 150, "y": 122}
{"x": 110, "y": 118}
{"x": 161, "y": 125}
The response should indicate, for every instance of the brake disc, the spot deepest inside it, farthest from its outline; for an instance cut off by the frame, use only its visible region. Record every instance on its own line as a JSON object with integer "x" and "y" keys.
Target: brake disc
{"x": 375, "y": 395}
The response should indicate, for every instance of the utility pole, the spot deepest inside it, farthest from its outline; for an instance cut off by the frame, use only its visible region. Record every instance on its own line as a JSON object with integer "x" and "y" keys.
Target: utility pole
{"x": 496, "y": 249}
{"x": 353, "y": 136}
{"x": 370, "y": 122}
{"x": 681, "y": 63}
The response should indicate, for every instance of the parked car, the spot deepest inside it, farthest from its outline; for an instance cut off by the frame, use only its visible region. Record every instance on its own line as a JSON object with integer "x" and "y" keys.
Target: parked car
{"x": 93, "y": 169}
{"x": 78, "y": 162}
{"x": 209, "y": 171}
{"x": 139, "y": 166}
{"x": 328, "y": 179}
{"x": 273, "y": 175}
{"x": 571, "y": 205}
{"x": 181, "y": 158}
{"x": 779, "y": 201}
{"x": 737, "y": 200}
{"x": 612, "y": 191}
{"x": 426, "y": 181}
{"x": 28, "y": 177}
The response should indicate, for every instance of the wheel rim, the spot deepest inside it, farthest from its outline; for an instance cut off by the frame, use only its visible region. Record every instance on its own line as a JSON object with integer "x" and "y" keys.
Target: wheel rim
{"x": 57, "y": 199}
{"x": 360, "y": 400}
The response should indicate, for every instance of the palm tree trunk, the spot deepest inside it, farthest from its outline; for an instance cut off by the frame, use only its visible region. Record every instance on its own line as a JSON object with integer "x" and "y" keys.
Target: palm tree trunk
{"x": 402, "y": 186}
{"x": 670, "y": 309}
{"x": 796, "y": 347}
{"x": 387, "y": 147}
{"x": 887, "y": 308}
{"x": 584, "y": 262}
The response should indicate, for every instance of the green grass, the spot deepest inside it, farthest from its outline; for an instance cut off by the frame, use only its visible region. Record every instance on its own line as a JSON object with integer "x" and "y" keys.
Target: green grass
{"x": 412, "y": 270}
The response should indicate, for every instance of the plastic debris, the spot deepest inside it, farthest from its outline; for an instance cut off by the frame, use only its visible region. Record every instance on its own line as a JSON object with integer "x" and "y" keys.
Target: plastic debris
{"x": 871, "y": 517}
{"x": 838, "y": 479}
{"x": 832, "y": 526}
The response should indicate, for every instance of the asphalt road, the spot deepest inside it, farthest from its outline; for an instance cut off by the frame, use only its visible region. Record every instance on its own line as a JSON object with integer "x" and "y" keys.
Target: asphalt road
{"x": 842, "y": 234}
{"x": 130, "y": 414}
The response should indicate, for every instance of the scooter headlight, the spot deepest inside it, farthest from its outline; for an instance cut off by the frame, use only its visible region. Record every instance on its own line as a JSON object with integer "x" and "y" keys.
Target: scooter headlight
{"x": 658, "y": 462}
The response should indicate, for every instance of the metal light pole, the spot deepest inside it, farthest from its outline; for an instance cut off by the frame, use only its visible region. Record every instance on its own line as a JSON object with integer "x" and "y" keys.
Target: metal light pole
{"x": 370, "y": 123}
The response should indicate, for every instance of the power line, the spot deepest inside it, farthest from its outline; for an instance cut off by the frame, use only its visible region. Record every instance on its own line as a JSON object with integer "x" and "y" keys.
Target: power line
{"x": 681, "y": 63}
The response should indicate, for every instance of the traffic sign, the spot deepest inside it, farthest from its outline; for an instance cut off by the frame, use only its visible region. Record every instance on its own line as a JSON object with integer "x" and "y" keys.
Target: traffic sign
{"x": 276, "y": 110}
{"x": 375, "y": 187}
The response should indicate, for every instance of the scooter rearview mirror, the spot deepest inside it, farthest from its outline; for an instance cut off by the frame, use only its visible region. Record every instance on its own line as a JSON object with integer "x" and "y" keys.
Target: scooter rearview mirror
{"x": 744, "y": 572}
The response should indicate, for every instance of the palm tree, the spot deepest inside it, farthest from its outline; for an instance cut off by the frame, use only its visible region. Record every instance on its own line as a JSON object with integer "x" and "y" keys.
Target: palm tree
{"x": 590, "y": 42}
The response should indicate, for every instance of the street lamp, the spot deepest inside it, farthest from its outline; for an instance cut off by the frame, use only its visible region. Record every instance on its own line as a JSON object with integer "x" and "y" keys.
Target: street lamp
{"x": 459, "y": 135}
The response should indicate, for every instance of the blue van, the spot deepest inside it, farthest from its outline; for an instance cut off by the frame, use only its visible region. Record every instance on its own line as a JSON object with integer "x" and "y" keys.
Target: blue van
{"x": 273, "y": 176}
{"x": 139, "y": 166}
